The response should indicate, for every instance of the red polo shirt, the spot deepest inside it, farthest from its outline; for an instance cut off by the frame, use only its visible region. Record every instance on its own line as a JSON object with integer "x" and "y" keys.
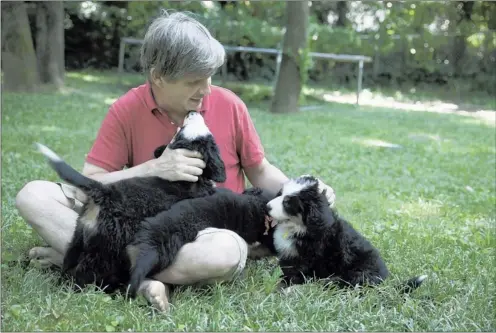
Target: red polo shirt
{"x": 134, "y": 127}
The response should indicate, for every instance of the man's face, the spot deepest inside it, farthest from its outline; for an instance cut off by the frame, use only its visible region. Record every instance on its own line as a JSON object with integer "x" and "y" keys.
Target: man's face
{"x": 183, "y": 95}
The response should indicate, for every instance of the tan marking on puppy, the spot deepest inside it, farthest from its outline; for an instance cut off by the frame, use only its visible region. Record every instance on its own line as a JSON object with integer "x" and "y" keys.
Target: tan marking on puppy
{"x": 132, "y": 252}
{"x": 89, "y": 218}
{"x": 257, "y": 251}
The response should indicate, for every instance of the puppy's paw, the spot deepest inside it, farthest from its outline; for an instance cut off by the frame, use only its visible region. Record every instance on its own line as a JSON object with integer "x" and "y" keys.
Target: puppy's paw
{"x": 45, "y": 257}
{"x": 156, "y": 293}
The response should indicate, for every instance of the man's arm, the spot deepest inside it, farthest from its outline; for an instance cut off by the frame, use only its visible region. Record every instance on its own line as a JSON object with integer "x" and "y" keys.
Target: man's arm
{"x": 265, "y": 175}
{"x": 173, "y": 165}
{"x": 97, "y": 173}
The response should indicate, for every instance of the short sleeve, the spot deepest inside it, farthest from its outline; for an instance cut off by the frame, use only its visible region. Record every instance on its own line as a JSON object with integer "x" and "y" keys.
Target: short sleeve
{"x": 109, "y": 150}
{"x": 248, "y": 144}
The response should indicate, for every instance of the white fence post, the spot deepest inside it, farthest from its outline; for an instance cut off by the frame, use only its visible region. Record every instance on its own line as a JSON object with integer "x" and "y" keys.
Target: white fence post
{"x": 359, "y": 83}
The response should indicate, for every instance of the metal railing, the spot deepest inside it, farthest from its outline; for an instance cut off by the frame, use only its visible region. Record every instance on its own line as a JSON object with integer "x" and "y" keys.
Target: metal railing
{"x": 359, "y": 59}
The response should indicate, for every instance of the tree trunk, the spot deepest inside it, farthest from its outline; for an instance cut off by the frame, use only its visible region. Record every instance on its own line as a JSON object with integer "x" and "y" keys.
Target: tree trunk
{"x": 465, "y": 9}
{"x": 50, "y": 42}
{"x": 20, "y": 72}
{"x": 342, "y": 10}
{"x": 289, "y": 83}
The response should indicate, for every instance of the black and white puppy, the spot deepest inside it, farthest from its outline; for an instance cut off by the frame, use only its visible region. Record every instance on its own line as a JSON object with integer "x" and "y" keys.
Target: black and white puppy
{"x": 114, "y": 212}
{"x": 160, "y": 237}
{"x": 313, "y": 242}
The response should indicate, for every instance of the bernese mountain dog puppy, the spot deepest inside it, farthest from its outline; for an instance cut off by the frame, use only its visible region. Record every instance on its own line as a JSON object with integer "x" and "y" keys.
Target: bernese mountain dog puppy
{"x": 314, "y": 243}
{"x": 114, "y": 212}
{"x": 160, "y": 237}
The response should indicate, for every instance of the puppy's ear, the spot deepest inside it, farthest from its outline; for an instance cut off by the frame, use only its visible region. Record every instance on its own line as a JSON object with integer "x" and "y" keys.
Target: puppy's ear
{"x": 158, "y": 151}
{"x": 215, "y": 168}
{"x": 311, "y": 214}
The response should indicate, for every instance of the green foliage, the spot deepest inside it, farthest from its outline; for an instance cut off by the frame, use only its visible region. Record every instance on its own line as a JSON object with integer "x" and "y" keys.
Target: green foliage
{"x": 429, "y": 206}
{"x": 411, "y": 42}
{"x": 250, "y": 92}
{"x": 236, "y": 26}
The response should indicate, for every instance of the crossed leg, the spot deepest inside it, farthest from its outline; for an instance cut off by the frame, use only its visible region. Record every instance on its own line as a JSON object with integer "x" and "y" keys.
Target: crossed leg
{"x": 52, "y": 210}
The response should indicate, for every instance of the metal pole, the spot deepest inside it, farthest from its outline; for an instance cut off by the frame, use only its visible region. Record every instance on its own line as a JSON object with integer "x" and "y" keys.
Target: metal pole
{"x": 121, "y": 56}
{"x": 223, "y": 71}
{"x": 278, "y": 64}
{"x": 360, "y": 77}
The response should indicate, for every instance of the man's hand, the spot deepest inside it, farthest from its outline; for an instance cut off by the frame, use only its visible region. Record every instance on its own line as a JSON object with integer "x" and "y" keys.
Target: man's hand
{"x": 329, "y": 193}
{"x": 176, "y": 165}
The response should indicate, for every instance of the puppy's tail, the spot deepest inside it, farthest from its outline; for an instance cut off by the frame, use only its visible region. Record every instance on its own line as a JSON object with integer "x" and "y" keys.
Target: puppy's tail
{"x": 411, "y": 284}
{"x": 69, "y": 174}
{"x": 145, "y": 262}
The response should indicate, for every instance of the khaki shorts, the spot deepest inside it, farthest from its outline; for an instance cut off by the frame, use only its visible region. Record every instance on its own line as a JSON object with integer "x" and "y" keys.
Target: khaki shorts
{"x": 71, "y": 193}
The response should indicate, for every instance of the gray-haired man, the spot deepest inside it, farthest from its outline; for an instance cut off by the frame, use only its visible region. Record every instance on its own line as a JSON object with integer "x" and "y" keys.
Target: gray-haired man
{"x": 179, "y": 56}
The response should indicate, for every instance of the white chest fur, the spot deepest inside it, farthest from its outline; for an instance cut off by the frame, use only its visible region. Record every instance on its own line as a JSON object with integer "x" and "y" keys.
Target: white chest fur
{"x": 283, "y": 242}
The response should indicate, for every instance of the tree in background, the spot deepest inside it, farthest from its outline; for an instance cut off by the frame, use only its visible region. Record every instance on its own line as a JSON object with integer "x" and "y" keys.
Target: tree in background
{"x": 19, "y": 67}
{"x": 293, "y": 69}
{"x": 27, "y": 62}
{"x": 50, "y": 41}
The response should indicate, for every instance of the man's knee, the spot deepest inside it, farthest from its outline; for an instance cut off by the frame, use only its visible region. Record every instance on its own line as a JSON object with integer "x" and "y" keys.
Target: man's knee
{"x": 29, "y": 196}
{"x": 229, "y": 250}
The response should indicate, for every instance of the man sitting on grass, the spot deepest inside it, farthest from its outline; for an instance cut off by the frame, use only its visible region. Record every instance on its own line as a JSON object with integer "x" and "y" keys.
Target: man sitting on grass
{"x": 179, "y": 57}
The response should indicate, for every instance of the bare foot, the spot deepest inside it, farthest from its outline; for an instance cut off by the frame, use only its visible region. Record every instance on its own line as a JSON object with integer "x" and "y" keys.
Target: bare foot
{"x": 45, "y": 257}
{"x": 156, "y": 293}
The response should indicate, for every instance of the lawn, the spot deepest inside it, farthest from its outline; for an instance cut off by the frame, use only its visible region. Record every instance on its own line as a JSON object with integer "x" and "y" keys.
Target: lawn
{"x": 419, "y": 185}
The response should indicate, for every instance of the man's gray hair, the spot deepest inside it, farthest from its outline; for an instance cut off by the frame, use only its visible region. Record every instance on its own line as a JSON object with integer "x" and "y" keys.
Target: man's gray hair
{"x": 177, "y": 45}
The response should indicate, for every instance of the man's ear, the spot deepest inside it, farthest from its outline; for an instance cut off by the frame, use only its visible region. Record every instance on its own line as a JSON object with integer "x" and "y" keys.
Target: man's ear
{"x": 215, "y": 168}
{"x": 155, "y": 77}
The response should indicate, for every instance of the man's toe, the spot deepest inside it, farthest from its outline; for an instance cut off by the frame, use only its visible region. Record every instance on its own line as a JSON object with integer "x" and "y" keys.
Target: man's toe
{"x": 157, "y": 294}
{"x": 45, "y": 257}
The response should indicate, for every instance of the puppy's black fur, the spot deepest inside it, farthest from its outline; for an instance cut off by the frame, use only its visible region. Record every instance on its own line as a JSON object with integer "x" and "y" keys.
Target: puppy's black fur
{"x": 160, "y": 237}
{"x": 113, "y": 213}
{"x": 313, "y": 242}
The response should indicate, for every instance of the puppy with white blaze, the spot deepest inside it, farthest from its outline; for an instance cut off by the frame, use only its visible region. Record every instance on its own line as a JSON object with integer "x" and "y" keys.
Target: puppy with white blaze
{"x": 313, "y": 242}
{"x": 160, "y": 238}
{"x": 114, "y": 212}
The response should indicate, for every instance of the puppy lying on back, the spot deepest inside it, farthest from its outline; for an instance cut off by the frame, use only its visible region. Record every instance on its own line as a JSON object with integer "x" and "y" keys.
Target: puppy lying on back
{"x": 160, "y": 237}
{"x": 114, "y": 212}
{"x": 312, "y": 241}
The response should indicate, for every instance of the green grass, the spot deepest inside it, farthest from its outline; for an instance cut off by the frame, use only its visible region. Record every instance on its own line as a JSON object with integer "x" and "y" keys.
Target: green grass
{"x": 429, "y": 206}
